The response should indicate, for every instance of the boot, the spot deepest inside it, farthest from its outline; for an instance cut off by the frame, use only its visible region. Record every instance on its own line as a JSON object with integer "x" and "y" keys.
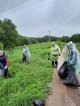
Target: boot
{"x": 56, "y": 64}
{"x": 52, "y": 63}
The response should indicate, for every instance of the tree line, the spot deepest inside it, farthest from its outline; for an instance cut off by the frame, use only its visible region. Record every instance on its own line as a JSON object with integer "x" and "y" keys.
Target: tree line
{"x": 9, "y": 36}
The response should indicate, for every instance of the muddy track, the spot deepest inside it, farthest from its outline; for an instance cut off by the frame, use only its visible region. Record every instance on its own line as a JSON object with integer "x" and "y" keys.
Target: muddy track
{"x": 62, "y": 95}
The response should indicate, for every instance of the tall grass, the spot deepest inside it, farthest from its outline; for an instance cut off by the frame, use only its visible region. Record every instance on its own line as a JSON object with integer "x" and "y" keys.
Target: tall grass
{"x": 29, "y": 80}
{"x": 78, "y": 46}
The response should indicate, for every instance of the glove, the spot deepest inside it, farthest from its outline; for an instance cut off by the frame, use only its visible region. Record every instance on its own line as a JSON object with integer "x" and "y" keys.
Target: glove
{"x": 5, "y": 67}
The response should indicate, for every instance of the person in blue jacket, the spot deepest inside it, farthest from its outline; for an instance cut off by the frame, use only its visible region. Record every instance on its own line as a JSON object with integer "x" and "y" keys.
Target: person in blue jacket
{"x": 71, "y": 54}
{"x": 25, "y": 54}
{"x": 4, "y": 63}
{"x": 71, "y": 60}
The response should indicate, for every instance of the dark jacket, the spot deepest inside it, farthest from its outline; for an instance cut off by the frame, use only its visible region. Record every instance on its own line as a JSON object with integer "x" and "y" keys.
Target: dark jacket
{"x": 3, "y": 61}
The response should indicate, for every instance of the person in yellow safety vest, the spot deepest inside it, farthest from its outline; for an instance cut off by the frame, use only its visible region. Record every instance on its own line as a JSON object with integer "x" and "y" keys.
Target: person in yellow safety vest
{"x": 55, "y": 53}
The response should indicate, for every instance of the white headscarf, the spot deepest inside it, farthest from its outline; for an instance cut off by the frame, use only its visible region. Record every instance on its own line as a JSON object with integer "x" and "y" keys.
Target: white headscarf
{"x": 1, "y": 52}
{"x": 70, "y": 44}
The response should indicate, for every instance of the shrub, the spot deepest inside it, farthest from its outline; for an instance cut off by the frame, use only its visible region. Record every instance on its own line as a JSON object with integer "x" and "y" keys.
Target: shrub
{"x": 1, "y": 45}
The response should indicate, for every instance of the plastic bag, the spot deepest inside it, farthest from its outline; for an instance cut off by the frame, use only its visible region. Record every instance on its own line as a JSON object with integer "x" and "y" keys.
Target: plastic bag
{"x": 63, "y": 72}
{"x": 71, "y": 79}
{"x": 38, "y": 102}
{"x": 1, "y": 72}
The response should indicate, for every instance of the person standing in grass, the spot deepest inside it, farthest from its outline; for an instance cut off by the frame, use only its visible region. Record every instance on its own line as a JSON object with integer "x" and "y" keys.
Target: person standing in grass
{"x": 71, "y": 63}
{"x": 25, "y": 54}
{"x": 55, "y": 53}
{"x": 4, "y": 63}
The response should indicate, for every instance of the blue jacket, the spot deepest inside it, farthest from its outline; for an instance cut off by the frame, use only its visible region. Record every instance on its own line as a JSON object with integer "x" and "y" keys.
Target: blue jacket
{"x": 3, "y": 61}
{"x": 72, "y": 57}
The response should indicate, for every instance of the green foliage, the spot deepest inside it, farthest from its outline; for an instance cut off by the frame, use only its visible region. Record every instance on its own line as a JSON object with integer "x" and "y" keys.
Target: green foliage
{"x": 65, "y": 39}
{"x": 60, "y": 44}
{"x": 32, "y": 40}
{"x": 29, "y": 80}
{"x": 9, "y": 34}
{"x": 75, "y": 37}
{"x": 78, "y": 46}
{"x": 46, "y": 38}
{"x": 1, "y": 45}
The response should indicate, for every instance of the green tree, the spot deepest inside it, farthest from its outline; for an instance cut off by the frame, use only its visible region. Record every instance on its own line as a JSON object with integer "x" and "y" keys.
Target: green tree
{"x": 75, "y": 37}
{"x": 1, "y": 45}
{"x": 10, "y": 33}
{"x": 65, "y": 39}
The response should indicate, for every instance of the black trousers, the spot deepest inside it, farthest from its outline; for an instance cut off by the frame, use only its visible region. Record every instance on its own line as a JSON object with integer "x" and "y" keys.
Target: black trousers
{"x": 6, "y": 73}
{"x": 54, "y": 63}
{"x": 24, "y": 59}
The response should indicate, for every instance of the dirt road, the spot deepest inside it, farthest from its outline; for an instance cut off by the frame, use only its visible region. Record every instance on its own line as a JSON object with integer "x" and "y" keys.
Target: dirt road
{"x": 62, "y": 95}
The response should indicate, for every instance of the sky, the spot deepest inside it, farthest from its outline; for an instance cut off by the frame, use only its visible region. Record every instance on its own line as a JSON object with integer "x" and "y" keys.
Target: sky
{"x": 36, "y": 18}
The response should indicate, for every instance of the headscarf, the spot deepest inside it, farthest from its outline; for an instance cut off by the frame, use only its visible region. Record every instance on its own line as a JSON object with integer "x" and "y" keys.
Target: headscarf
{"x": 53, "y": 44}
{"x": 70, "y": 44}
{"x": 1, "y": 52}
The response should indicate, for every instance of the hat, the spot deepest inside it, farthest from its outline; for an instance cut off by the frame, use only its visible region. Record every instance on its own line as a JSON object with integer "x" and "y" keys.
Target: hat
{"x": 1, "y": 52}
{"x": 53, "y": 43}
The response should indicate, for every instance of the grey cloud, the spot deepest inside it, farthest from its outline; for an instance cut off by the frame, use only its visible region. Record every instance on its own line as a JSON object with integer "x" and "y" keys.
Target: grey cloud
{"x": 37, "y": 17}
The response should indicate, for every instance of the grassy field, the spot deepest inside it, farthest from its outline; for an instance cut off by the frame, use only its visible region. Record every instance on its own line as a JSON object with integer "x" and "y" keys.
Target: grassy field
{"x": 29, "y": 80}
{"x": 78, "y": 46}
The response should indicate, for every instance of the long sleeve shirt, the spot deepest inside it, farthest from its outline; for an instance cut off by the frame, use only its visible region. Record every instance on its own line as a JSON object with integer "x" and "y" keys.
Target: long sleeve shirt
{"x": 55, "y": 50}
{"x": 26, "y": 51}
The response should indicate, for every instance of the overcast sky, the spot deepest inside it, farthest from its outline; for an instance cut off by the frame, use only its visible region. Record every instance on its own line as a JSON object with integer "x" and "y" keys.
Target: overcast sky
{"x": 37, "y": 17}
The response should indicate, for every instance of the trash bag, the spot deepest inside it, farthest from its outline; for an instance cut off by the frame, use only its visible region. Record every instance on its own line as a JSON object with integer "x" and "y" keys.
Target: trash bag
{"x": 63, "y": 71}
{"x": 2, "y": 72}
{"x": 38, "y": 102}
{"x": 71, "y": 79}
{"x": 5, "y": 74}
